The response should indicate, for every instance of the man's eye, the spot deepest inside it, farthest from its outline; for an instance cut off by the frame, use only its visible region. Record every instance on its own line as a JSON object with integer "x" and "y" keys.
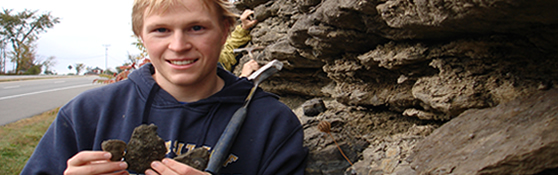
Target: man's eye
{"x": 197, "y": 28}
{"x": 161, "y": 30}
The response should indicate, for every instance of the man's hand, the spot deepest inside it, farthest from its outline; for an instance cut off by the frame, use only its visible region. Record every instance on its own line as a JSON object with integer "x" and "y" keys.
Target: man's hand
{"x": 247, "y": 23}
{"x": 171, "y": 167}
{"x": 94, "y": 162}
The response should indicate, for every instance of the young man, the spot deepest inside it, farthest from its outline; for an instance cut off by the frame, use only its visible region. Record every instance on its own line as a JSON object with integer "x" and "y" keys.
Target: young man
{"x": 182, "y": 92}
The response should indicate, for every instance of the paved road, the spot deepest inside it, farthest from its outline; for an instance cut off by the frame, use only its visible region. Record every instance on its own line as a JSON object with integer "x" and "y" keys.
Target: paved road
{"x": 22, "y": 99}
{"x": 21, "y": 77}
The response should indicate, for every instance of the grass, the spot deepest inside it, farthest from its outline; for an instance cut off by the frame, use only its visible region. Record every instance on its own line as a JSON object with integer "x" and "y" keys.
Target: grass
{"x": 18, "y": 140}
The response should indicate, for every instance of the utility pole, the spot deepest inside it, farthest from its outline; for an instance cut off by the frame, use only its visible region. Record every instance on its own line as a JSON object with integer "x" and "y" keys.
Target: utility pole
{"x": 106, "y": 55}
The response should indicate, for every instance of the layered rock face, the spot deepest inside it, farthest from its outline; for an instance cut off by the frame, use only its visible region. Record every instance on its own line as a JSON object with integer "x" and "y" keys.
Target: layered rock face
{"x": 393, "y": 71}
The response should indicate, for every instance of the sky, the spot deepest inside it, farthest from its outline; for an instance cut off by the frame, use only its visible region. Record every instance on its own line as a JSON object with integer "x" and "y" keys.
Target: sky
{"x": 85, "y": 28}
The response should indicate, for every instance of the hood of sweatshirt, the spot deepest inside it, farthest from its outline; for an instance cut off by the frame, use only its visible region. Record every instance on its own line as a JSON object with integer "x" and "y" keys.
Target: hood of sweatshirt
{"x": 235, "y": 89}
{"x": 196, "y": 116}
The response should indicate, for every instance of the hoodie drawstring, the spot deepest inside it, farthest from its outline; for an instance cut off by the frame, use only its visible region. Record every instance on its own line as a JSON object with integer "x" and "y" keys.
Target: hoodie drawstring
{"x": 154, "y": 89}
{"x": 207, "y": 124}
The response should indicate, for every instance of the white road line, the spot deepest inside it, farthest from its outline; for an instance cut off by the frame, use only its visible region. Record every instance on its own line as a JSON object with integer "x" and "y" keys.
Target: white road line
{"x": 11, "y": 87}
{"x": 59, "y": 82}
{"x": 50, "y": 90}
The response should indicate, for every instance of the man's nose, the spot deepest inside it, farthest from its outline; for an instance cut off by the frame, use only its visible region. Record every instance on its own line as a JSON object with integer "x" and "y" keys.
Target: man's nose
{"x": 180, "y": 42}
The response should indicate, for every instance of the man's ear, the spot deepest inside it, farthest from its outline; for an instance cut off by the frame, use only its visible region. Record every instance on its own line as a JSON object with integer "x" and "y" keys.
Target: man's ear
{"x": 226, "y": 31}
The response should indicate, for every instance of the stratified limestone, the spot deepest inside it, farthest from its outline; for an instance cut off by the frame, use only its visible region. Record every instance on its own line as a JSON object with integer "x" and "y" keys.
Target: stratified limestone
{"x": 401, "y": 68}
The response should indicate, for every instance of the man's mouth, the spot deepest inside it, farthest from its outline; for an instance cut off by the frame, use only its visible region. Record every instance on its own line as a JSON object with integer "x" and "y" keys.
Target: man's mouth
{"x": 182, "y": 62}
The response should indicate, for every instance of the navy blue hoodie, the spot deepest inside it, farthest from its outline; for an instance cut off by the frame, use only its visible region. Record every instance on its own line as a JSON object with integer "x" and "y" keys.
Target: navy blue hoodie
{"x": 269, "y": 142}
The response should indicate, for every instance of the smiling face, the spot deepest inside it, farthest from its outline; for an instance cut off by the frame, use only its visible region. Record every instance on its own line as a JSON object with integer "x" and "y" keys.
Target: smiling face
{"x": 184, "y": 43}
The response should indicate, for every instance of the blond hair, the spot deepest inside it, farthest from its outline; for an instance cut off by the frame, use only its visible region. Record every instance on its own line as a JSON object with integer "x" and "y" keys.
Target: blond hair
{"x": 222, "y": 7}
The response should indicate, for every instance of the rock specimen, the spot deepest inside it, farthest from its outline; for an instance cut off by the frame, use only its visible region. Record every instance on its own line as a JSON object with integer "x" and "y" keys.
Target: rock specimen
{"x": 115, "y": 147}
{"x": 197, "y": 158}
{"x": 144, "y": 147}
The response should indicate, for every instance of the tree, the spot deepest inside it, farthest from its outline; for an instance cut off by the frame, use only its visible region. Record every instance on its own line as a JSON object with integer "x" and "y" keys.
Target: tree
{"x": 140, "y": 46}
{"x": 34, "y": 70}
{"x": 47, "y": 64}
{"x": 131, "y": 63}
{"x": 24, "y": 56}
{"x": 21, "y": 30}
{"x": 79, "y": 67}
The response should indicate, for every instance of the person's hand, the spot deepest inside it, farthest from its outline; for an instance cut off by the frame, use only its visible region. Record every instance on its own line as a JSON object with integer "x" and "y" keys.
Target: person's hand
{"x": 171, "y": 167}
{"x": 94, "y": 162}
{"x": 249, "y": 67}
{"x": 247, "y": 23}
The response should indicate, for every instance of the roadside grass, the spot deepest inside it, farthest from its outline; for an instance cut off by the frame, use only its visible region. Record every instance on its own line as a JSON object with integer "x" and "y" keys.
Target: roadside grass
{"x": 18, "y": 140}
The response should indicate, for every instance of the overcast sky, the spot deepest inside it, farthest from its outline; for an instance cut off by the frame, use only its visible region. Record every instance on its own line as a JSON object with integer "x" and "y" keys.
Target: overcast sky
{"x": 84, "y": 28}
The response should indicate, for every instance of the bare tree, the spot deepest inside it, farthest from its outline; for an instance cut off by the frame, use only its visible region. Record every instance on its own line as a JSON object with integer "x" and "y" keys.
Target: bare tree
{"x": 47, "y": 64}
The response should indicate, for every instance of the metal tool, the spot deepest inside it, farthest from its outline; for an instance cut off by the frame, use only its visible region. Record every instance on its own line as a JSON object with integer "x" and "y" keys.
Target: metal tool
{"x": 221, "y": 150}
{"x": 249, "y": 50}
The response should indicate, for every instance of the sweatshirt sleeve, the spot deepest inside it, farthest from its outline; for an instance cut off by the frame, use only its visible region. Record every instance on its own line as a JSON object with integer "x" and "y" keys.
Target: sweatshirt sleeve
{"x": 54, "y": 148}
{"x": 237, "y": 38}
{"x": 290, "y": 156}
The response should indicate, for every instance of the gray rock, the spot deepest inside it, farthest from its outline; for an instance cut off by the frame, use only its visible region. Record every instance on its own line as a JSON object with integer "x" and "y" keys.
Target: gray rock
{"x": 313, "y": 107}
{"x": 519, "y": 137}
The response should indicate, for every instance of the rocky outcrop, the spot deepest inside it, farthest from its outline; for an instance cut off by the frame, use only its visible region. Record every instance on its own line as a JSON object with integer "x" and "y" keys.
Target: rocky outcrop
{"x": 392, "y": 71}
